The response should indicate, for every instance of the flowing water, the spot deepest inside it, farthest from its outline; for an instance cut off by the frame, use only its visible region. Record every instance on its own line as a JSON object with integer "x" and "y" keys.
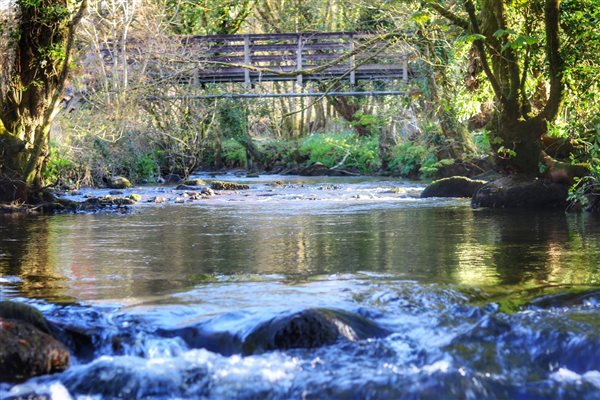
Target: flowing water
{"x": 465, "y": 303}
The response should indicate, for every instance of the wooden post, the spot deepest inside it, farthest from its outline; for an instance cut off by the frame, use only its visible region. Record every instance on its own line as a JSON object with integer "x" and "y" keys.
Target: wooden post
{"x": 247, "y": 81}
{"x": 299, "y": 60}
{"x": 405, "y": 69}
{"x": 352, "y": 63}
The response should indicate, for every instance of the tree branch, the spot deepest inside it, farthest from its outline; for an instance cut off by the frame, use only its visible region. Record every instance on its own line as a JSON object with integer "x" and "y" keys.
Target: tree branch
{"x": 481, "y": 50}
{"x": 452, "y": 17}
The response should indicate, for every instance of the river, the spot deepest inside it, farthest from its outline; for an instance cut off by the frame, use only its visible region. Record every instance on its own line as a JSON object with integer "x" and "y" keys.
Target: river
{"x": 474, "y": 303}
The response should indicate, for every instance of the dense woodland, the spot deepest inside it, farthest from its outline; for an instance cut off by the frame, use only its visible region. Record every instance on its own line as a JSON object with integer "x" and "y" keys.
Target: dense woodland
{"x": 513, "y": 83}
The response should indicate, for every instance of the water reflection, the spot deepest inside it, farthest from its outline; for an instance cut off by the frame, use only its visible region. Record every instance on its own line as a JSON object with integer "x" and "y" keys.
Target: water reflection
{"x": 27, "y": 252}
{"x": 164, "y": 250}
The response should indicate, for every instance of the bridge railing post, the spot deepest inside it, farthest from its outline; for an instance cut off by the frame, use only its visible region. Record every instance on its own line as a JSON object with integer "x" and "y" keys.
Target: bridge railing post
{"x": 247, "y": 80}
{"x": 352, "y": 62}
{"x": 299, "y": 50}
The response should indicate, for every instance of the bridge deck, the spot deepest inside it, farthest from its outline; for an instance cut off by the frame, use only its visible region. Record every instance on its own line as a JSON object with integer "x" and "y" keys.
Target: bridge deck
{"x": 296, "y": 57}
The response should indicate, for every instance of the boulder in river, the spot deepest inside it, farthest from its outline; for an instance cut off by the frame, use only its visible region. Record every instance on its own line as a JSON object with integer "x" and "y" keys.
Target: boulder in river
{"x": 27, "y": 349}
{"x": 118, "y": 182}
{"x": 310, "y": 328}
{"x": 455, "y": 186}
{"x": 224, "y": 185}
{"x": 518, "y": 191}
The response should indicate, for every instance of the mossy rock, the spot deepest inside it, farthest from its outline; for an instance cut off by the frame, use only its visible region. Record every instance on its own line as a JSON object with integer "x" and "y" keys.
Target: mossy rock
{"x": 135, "y": 197}
{"x": 118, "y": 182}
{"x": 455, "y": 186}
{"x": 194, "y": 182}
{"x": 223, "y": 185}
{"x": 25, "y": 313}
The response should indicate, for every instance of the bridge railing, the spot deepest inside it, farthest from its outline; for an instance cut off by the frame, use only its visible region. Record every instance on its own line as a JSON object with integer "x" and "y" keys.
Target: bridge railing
{"x": 296, "y": 57}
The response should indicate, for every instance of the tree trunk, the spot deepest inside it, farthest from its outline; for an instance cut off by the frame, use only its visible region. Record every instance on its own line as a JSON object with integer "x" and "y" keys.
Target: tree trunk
{"x": 37, "y": 66}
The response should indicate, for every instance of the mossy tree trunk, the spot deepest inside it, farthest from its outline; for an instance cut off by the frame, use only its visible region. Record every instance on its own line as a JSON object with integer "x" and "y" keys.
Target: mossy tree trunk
{"x": 35, "y": 69}
{"x": 517, "y": 128}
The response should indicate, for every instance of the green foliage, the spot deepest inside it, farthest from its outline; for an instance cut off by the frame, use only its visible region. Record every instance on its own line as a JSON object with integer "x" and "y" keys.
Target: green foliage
{"x": 58, "y": 168}
{"x": 370, "y": 122}
{"x": 410, "y": 159}
{"x": 481, "y": 140}
{"x": 346, "y": 148}
{"x": 146, "y": 167}
{"x": 234, "y": 154}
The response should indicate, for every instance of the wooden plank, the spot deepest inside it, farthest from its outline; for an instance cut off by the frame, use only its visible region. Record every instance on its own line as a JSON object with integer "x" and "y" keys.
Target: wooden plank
{"x": 247, "y": 81}
{"x": 299, "y": 51}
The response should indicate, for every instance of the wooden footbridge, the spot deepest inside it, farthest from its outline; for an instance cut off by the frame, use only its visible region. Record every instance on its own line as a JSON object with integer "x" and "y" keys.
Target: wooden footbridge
{"x": 341, "y": 57}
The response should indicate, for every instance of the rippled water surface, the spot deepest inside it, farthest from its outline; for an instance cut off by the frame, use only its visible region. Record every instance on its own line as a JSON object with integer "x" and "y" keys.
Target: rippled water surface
{"x": 472, "y": 303}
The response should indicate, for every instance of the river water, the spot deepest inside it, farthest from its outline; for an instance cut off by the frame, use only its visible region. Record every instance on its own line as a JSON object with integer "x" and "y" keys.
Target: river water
{"x": 474, "y": 303}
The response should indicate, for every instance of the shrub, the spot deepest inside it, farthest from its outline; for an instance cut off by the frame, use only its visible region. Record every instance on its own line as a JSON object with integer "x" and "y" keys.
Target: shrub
{"x": 346, "y": 148}
{"x": 410, "y": 160}
{"x": 234, "y": 154}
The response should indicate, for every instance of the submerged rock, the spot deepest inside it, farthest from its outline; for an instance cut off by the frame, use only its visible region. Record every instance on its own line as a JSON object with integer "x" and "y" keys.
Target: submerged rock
{"x": 517, "y": 191}
{"x": 27, "y": 348}
{"x": 223, "y": 185}
{"x": 308, "y": 329}
{"x": 118, "y": 182}
{"x": 455, "y": 186}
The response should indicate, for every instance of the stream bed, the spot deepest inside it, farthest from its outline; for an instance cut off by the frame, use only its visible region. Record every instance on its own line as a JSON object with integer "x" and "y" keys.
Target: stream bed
{"x": 431, "y": 299}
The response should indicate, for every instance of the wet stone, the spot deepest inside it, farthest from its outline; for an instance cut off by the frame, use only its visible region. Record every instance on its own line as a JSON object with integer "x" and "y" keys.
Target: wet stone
{"x": 224, "y": 185}
{"x": 309, "y": 329}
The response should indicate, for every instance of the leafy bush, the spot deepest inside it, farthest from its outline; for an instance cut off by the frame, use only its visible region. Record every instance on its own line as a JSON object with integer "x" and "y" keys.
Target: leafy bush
{"x": 410, "y": 159}
{"x": 347, "y": 149}
{"x": 234, "y": 154}
{"x": 59, "y": 169}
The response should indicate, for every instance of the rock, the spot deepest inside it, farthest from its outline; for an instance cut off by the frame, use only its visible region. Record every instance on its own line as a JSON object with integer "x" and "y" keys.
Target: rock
{"x": 118, "y": 182}
{"x": 115, "y": 192}
{"x": 107, "y": 201}
{"x": 194, "y": 182}
{"x": 27, "y": 348}
{"x": 135, "y": 197}
{"x": 27, "y": 351}
{"x": 207, "y": 191}
{"x": 223, "y": 185}
{"x": 252, "y": 175}
{"x": 518, "y": 191}
{"x": 456, "y": 186}
{"x": 157, "y": 199}
{"x": 180, "y": 200}
{"x": 25, "y": 313}
{"x": 310, "y": 328}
